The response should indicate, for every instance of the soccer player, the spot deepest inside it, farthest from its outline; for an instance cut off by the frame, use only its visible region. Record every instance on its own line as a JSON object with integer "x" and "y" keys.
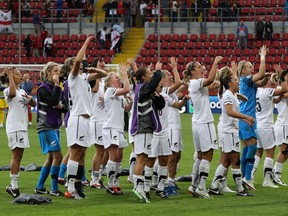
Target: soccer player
{"x": 265, "y": 124}
{"x": 50, "y": 105}
{"x": 16, "y": 125}
{"x": 281, "y": 128}
{"x": 78, "y": 123}
{"x": 248, "y": 87}
{"x": 113, "y": 127}
{"x": 230, "y": 115}
{"x": 202, "y": 123}
{"x": 145, "y": 120}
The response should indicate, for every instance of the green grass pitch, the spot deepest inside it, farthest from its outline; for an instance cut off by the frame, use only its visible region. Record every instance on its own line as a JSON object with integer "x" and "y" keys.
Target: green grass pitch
{"x": 266, "y": 201}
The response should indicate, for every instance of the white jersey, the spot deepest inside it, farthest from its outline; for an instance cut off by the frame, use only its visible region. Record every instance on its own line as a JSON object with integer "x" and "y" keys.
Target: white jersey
{"x": 220, "y": 122}
{"x": 98, "y": 111}
{"x": 264, "y": 107}
{"x": 229, "y": 124}
{"x": 282, "y": 107}
{"x": 79, "y": 95}
{"x": 163, "y": 114}
{"x": 200, "y": 100}
{"x": 17, "y": 119}
{"x": 174, "y": 119}
{"x": 114, "y": 108}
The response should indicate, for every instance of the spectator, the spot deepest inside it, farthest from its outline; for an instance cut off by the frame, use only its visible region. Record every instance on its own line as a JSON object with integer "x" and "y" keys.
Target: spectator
{"x": 48, "y": 43}
{"x": 195, "y": 11}
{"x": 143, "y": 12}
{"x": 113, "y": 10}
{"x": 260, "y": 29}
{"x": 59, "y": 6}
{"x": 37, "y": 46}
{"x": 183, "y": 10}
{"x": 27, "y": 86}
{"x": 120, "y": 9}
{"x": 242, "y": 34}
{"x": 106, "y": 8}
{"x": 150, "y": 7}
{"x": 70, "y": 4}
{"x": 43, "y": 35}
{"x": 206, "y": 5}
{"x": 268, "y": 29}
{"x": 88, "y": 11}
{"x": 103, "y": 37}
{"x": 37, "y": 22}
{"x": 133, "y": 12}
{"x": 235, "y": 8}
{"x": 116, "y": 40}
{"x": 45, "y": 13}
{"x": 223, "y": 9}
{"x": 127, "y": 18}
{"x": 26, "y": 9}
{"x": 28, "y": 43}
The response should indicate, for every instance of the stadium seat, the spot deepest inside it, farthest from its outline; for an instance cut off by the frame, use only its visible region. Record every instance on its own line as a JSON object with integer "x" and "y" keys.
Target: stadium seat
{"x": 147, "y": 45}
{"x": 272, "y": 51}
{"x": 152, "y": 52}
{"x": 281, "y": 51}
{"x": 276, "y": 44}
{"x": 139, "y": 60}
{"x": 190, "y": 45}
{"x": 277, "y": 59}
{"x": 230, "y": 37}
{"x": 211, "y": 52}
{"x": 143, "y": 52}
{"x": 65, "y": 38}
{"x": 220, "y": 52}
{"x": 221, "y": 37}
{"x": 173, "y": 45}
{"x": 183, "y": 37}
{"x": 82, "y": 37}
{"x": 215, "y": 45}
{"x": 193, "y": 37}
{"x": 194, "y": 52}
{"x": 152, "y": 37}
{"x": 281, "y": 3}
{"x": 181, "y": 44}
{"x": 203, "y": 37}
{"x": 185, "y": 52}
{"x": 181, "y": 60}
{"x": 202, "y": 52}
{"x": 74, "y": 37}
{"x": 176, "y": 52}
{"x": 175, "y": 37}
{"x": 223, "y": 44}
{"x": 206, "y": 45}
{"x": 167, "y": 37}
{"x": 56, "y": 38}
{"x": 212, "y": 37}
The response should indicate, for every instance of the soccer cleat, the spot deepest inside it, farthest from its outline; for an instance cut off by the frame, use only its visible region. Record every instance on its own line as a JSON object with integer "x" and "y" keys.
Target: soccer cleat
{"x": 113, "y": 190}
{"x": 249, "y": 184}
{"x": 61, "y": 181}
{"x": 73, "y": 195}
{"x": 56, "y": 193}
{"x": 214, "y": 191}
{"x": 244, "y": 193}
{"x": 161, "y": 194}
{"x": 85, "y": 183}
{"x": 14, "y": 192}
{"x": 98, "y": 184}
{"x": 191, "y": 190}
{"x": 41, "y": 191}
{"x": 279, "y": 181}
{"x": 140, "y": 197}
{"x": 226, "y": 190}
{"x": 170, "y": 190}
{"x": 148, "y": 195}
{"x": 269, "y": 184}
{"x": 202, "y": 193}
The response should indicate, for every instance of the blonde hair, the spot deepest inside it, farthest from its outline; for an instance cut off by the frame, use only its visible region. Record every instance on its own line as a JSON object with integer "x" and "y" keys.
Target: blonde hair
{"x": 224, "y": 77}
{"x": 107, "y": 79}
{"x": 274, "y": 79}
{"x": 241, "y": 66}
{"x": 48, "y": 68}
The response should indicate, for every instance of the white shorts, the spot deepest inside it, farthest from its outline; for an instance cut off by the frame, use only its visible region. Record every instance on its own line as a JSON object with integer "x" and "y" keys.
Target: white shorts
{"x": 96, "y": 135}
{"x": 160, "y": 146}
{"x": 230, "y": 142}
{"x": 115, "y": 137}
{"x": 18, "y": 139}
{"x": 204, "y": 137}
{"x": 143, "y": 143}
{"x": 78, "y": 131}
{"x": 266, "y": 138}
{"x": 281, "y": 134}
{"x": 175, "y": 137}
{"x": 220, "y": 135}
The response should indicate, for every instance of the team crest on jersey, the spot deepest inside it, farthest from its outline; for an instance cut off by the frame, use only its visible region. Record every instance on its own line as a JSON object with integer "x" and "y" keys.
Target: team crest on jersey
{"x": 114, "y": 137}
{"x": 21, "y": 140}
{"x": 100, "y": 138}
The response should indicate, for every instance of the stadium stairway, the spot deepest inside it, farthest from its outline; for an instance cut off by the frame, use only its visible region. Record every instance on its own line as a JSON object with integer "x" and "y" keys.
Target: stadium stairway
{"x": 101, "y": 13}
{"x": 131, "y": 45}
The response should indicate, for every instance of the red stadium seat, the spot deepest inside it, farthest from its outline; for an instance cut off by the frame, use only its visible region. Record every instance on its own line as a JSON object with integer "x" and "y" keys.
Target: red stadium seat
{"x": 74, "y": 37}
{"x": 183, "y": 37}
{"x": 143, "y": 52}
{"x": 167, "y": 37}
{"x": 82, "y": 37}
{"x": 175, "y": 37}
{"x": 185, "y": 52}
{"x": 193, "y": 37}
{"x": 56, "y": 38}
{"x": 212, "y": 37}
{"x": 152, "y": 37}
{"x": 177, "y": 52}
{"x": 203, "y": 37}
{"x": 221, "y": 37}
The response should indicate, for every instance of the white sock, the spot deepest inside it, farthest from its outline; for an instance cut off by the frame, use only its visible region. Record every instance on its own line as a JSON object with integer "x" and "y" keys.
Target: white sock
{"x": 139, "y": 183}
{"x": 148, "y": 172}
{"x": 278, "y": 167}
{"x": 219, "y": 173}
{"x": 110, "y": 173}
{"x": 72, "y": 168}
{"x": 268, "y": 166}
{"x": 255, "y": 165}
{"x": 155, "y": 177}
{"x": 237, "y": 178}
{"x": 132, "y": 164}
{"x": 204, "y": 168}
{"x": 95, "y": 176}
{"x": 195, "y": 173}
{"x": 14, "y": 180}
{"x": 162, "y": 171}
{"x": 117, "y": 173}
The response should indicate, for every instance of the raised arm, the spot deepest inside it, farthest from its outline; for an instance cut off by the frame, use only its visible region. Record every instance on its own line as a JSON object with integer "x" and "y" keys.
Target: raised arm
{"x": 12, "y": 86}
{"x": 126, "y": 85}
{"x": 262, "y": 69}
{"x": 80, "y": 56}
{"x": 177, "y": 81}
{"x": 212, "y": 74}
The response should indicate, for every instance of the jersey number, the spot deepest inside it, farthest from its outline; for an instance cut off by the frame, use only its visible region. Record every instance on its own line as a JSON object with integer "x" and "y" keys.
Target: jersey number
{"x": 258, "y": 105}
